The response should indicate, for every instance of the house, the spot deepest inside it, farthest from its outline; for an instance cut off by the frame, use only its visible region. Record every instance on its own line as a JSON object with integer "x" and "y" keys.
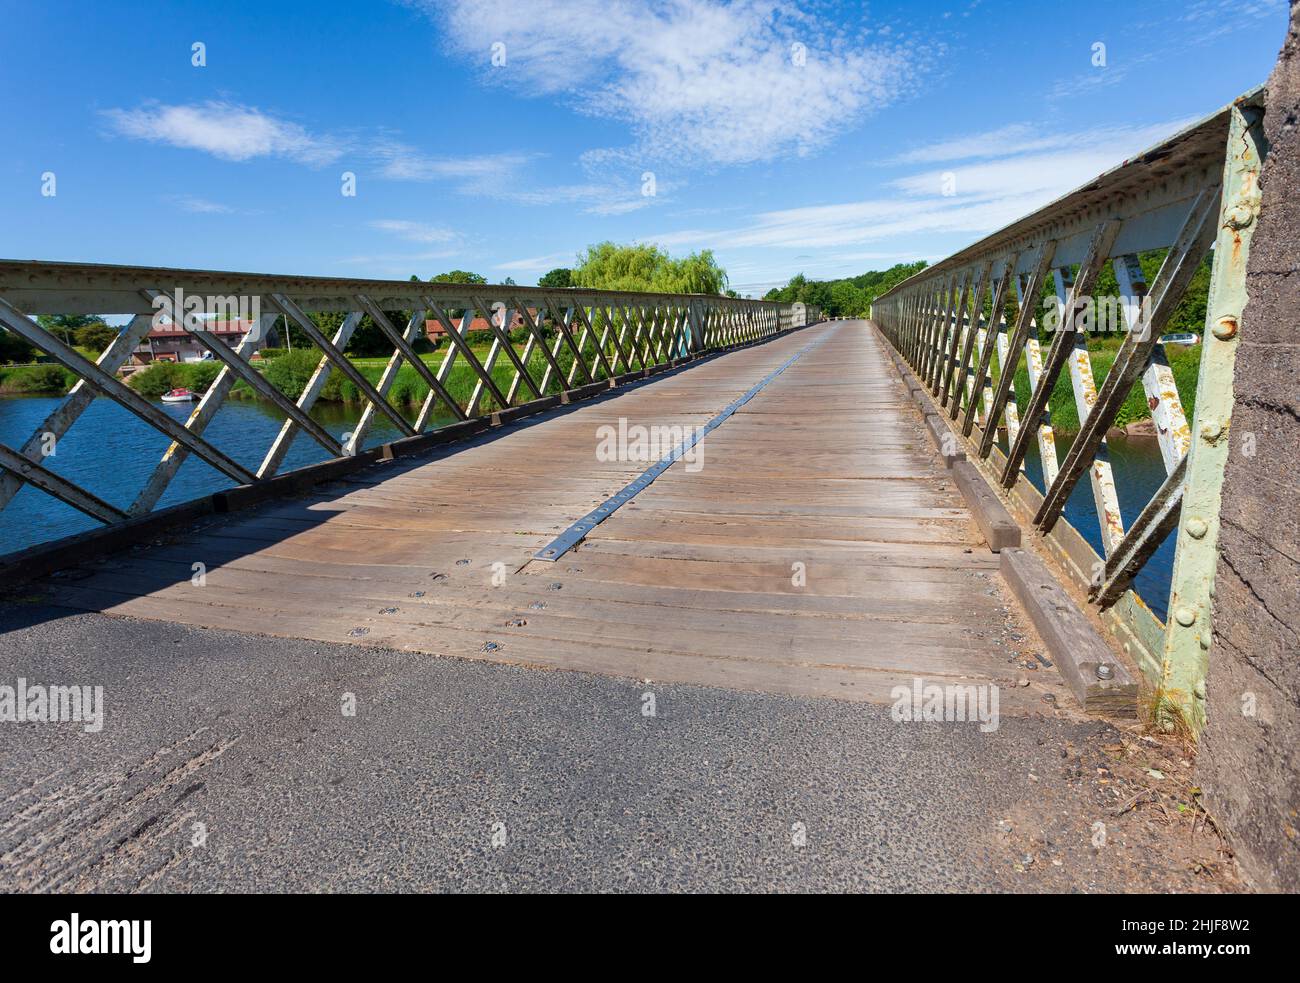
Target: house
{"x": 171, "y": 343}
{"x": 434, "y": 330}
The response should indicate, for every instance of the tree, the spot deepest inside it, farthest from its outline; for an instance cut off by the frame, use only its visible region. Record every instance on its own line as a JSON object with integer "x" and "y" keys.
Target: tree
{"x": 850, "y": 296}
{"x": 698, "y": 273}
{"x": 63, "y": 325}
{"x": 560, "y": 278}
{"x": 608, "y": 266}
{"x": 458, "y": 276}
{"x": 847, "y": 300}
{"x": 95, "y": 336}
{"x": 14, "y": 348}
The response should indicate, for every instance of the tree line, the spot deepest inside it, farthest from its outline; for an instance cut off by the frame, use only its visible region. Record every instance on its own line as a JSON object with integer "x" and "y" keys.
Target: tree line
{"x": 848, "y": 296}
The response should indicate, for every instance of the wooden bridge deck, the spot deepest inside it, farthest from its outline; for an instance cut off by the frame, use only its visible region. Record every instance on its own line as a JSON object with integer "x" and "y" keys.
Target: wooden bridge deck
{"x": 695, "y": 581}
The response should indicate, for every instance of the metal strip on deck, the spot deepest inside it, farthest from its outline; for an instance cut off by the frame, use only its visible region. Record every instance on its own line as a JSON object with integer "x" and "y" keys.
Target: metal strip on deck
{"x": 575, "y": 534}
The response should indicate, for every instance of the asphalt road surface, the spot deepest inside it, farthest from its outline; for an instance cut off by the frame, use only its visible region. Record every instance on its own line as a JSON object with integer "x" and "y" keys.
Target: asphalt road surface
{"x": 226, "y": 762}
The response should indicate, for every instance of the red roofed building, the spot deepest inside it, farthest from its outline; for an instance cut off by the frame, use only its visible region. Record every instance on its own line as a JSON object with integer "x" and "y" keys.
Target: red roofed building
{"x": 434, "y": 329}
{"x": 172, "y": 343}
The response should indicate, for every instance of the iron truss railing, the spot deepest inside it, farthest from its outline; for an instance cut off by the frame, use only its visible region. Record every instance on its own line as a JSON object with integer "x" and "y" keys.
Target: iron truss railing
{"x": 604, "y": 336}
{"x": 965, "y": 324}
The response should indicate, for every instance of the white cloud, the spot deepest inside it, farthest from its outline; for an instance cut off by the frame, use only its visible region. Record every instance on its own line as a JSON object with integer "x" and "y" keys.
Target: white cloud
{"x": 200, "y": 206}
{"x": 414, "y": 231}
{"x": 996, "y": 181}
{"x": 1018, "y": 139}
{"x": 398, "y": 265}
{"x": 1215, "y": 18}
{"x": 538, "y": 263}
{"x": 404, "y": 163}
{"x": 696, "y": 79}
{"x": 242, "y": 133}
{"x": 502, "y": 176}
{"x": 225, "y": 130}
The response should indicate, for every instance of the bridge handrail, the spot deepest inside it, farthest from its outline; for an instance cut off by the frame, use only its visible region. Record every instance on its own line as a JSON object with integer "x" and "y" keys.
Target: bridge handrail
{"x": 1196, "y": 190}
{"x": 604, "y": 336}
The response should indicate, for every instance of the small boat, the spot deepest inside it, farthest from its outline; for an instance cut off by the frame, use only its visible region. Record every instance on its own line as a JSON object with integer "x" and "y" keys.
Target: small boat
{"x": 178, "y": 396}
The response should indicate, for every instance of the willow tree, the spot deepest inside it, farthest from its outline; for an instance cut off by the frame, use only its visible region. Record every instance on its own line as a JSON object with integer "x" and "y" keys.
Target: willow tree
{"x": 644, "y": 267}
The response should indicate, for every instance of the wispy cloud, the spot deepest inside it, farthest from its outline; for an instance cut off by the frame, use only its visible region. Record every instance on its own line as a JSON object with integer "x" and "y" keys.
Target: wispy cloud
{"x": 400, "y": 162}
{"x": 1167, "y": 34}
{"x": 538, "y": 264}
{"x": 1020, "y": 160}
{"x": 1017, "y": 140}
{"x": 398, "y": 264}
{"x": 697, "y": 80}
{"x": 200, "y": 206}
{"x": 998, "y": 176}
{"x": 414, "y": 231}
{"x": 240, "y": 133}
{"x": 504, "y": 177}
{"x": 1211, "y": 19}
{"x": 225, "y": 130}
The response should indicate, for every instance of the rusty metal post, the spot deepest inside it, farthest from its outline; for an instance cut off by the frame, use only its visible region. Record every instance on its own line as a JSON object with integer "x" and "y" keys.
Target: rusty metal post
{"x": 1188, "y": 633}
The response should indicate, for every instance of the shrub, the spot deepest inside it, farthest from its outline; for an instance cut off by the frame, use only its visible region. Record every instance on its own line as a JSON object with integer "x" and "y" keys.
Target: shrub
{"x": 338, "y": 388}
{"x": 270, "y": 353}
{"x": 200, "y": 375}
{"x": 37, "y": 379}
{"x": 14, "y": 348}
{"x": 291, "y": 371}
{"x": 95, "y": 336}
{"x": 163, "y": 377}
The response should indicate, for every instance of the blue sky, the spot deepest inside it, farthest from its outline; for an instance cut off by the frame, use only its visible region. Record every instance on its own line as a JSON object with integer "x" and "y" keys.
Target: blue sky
{"x": 503, "y": 136}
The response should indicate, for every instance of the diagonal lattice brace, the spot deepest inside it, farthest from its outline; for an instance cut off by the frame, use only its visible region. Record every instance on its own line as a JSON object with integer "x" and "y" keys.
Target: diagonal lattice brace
{"x": 259, "y": 384}
{"x": 963, "y": 378}
{"x": 1098, "y": 251}
{"x": 502, "y": 332}
{"x": 341, "y": 361}
{"x": 1172, "y": 432}
{"x": 462, "y": 347}
{"x": 563, "y": 318}
{"x": 534, "y": 328}
{"x": 1017, "y": 341}
{"x": 311, "y": 392}
{"x": 176, "y": 454}
{"x": 960, "y": 330}
{"x": 489, "y": 365}
{"x": 24, "y": 469}
{"x": 589, "y": 332}
{"x": 954, "y": 301}
{"x": 995, "y": 328}
{"x": 609, "y": 336}
{"x": 402, "y": 350}
{"x": 1175, "y": 276}
{"x": 18, "y": 322}
{"x": 61, "y": 419}
{"x": 1153, "y": 524}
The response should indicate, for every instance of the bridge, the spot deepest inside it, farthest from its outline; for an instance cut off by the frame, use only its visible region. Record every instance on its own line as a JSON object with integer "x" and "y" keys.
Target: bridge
{"x": 678, "y": 497}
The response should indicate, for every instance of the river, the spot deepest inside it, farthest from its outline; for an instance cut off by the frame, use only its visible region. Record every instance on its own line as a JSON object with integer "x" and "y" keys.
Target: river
{"x": 112, "y": 453}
